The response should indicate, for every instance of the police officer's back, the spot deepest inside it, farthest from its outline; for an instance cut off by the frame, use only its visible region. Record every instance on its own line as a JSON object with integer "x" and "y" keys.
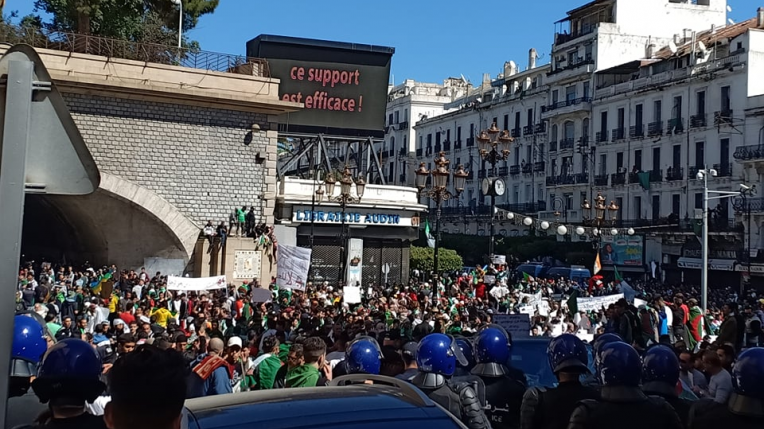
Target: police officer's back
{"x": 68, "y": 378}
{"x": 745, "y": 407}
{"x": 463, "y": 374}
{"x": 550, "y": 408}
{"x": 436, "y": 357}
{"x": 622, "y": 404}
{"x": 599, "y": 342}
{"x": 504, "y": 386}
{"x": 29, "y": 346}
{"x": 660, "y": 376}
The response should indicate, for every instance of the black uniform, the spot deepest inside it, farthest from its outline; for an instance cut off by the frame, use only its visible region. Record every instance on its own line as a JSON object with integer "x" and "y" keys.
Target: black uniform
{"x": 83, "y": 421}
{"x": 458, "y": 398}
{"x": 624, "y": 408}
{"x": 503, "y": 394}
{"x": 706, "y": 414}
{"x": 681, "y": 406}
{"x": 24, "y": 409}
{"x": 551, "y": 408}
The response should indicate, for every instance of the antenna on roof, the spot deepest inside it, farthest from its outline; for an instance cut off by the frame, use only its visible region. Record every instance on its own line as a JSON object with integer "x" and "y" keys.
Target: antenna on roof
{"x": 729, "y": 8}
{"x": 731, "y": 22}
{"x": 672, "y": 47}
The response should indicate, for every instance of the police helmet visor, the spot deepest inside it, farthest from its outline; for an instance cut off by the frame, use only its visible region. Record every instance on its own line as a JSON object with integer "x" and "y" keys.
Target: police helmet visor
{"x": 457, "y": 351}
{"x": 364, "y": 338}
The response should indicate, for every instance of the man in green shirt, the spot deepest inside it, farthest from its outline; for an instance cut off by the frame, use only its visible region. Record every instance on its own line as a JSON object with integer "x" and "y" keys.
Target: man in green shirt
{"x": 310, "y": 373}
{"x": 240, "y": 217}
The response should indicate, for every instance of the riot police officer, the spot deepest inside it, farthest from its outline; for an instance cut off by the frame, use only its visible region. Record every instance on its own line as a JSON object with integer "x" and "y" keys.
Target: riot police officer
{"x": 69, "y": 376}
{"x": 362, "y": 356}
{"x": 593, "y": 379}
{"x": 29, "y": 345}
{"x": 622, "y": 403}
{"x": 504, "y": 386}
{"x": 465, "y": 345}
{"x": 437, "y": 357}
{"x": 745, "y": 407}
{"x": 551, "y": 408}
{"x": 660, "y": 376}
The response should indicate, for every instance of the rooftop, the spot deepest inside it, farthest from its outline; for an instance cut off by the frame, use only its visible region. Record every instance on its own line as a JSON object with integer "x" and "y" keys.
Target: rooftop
{"x": 709, "y": 38}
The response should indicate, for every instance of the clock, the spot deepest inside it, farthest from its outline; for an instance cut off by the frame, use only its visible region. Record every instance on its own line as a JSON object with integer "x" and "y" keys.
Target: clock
{"x": 486, "y": 186}
{"x": 498, "y": 187}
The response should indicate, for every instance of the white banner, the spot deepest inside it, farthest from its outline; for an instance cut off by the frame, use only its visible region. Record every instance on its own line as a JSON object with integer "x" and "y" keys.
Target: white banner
{"x": 594, "y": 303}
{"x": 292, "y": 265}
{"x": 639, "y": 302}
{"x": 201, "y": 283}
{"x": 261, "y": 295}
{"x": 519, "y": 325}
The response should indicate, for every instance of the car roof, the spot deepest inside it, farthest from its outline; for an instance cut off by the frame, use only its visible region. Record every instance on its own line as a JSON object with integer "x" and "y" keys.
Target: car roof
{"x": 315, "y": 407}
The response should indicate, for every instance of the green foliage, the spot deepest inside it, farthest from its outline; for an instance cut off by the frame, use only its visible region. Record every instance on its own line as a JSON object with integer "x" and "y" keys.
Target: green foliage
{"x": 421, "y": 258}
{"x": 144, "y": 21}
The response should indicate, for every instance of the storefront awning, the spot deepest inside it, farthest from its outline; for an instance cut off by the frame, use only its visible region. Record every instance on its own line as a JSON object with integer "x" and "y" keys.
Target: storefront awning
{"x": 713, "y": 264}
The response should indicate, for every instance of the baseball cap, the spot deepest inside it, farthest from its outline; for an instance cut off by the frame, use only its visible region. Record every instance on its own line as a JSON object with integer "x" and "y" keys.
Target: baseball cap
{"x": 234, "y": 341}
{"x": 409, "y": 349}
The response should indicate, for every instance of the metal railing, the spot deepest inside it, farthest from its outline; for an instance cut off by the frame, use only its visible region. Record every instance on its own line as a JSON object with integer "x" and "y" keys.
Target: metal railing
{"x": 674, "y": 173}
{"x": 655, "y": 129}
{"x": 618, "y": 179}
{"x": 514, "y": 169}
{"x": 636, "y": 131}
{"x": 539, "y": 167}
{"x": 748, "y": 153}
{"x": 600, "y": 180}
{"x": 618, "y": 133}
{"x": 698, "y": 121}
{"x": 567, "y": 143}
{"x": 129, "y": 50}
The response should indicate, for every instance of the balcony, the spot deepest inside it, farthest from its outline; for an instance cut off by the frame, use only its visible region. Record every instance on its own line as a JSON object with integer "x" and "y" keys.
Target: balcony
{"x": 600, "y": 136}
{"x": 539, "y": 167}
{"x": 674, "y": 174}
{"x": 419, "y": 153}
{"x": 698, "y": 121}
{"x": 723, "y": 170}
{"x": 446, "y": 145}
{"x": 692, "y": 172}
{"x": 633, "y": 178}
{"x": 560, "y": 38}
{"x": 723, "y": 117}
{"x": 618, "y": 179}
{"x": 675, "y": 126}
{"x": 503, "y": 171}
{"x": 482, "y": 174}
{"x": 565, "y": 103}
{"x": 636, "y": 131}
{"x": 581, "y": 178}
{"x": 515, "y": 132}
{"x": 525, "y": 208}
{"x": 470, "y": 141}
{"x": 600, "y": 180}
{"x": 568, "y": 143}
{"x": 438, "y": 148}
{"x": 553, "y": 146}
{"x": 514, "y": 169}
{"x": 403, "y": 125}
{"x": 540, "y": 128}
{"x": 656, "y": 176}
{"x": 655, "y": 129}
{"x": 755, "y": 205}
{"x": 527, "y": 168}
{"x": 527, "y": 130}
{"x": 749, "y": 153}
{"x": 572, "y": 65}
{"x": 618, "y": 134}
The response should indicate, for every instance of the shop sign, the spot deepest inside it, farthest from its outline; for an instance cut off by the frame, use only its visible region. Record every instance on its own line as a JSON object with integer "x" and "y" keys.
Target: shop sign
{"x": 391, "y": 218}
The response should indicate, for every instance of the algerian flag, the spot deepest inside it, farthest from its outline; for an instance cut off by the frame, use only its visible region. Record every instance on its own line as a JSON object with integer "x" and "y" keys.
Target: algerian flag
{"x": 527, "y": 277}
{"x": 430, "y": 238}
{"x": 573, "y": 302}
{"x": 617, "y": 275}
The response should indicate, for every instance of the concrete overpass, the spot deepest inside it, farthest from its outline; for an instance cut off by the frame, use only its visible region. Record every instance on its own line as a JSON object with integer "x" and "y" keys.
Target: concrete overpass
{"x": 176, "y": 146}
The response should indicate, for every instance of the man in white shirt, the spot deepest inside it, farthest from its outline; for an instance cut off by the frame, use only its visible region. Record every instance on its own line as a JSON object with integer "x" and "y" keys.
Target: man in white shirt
{"x": 688, "y": 374}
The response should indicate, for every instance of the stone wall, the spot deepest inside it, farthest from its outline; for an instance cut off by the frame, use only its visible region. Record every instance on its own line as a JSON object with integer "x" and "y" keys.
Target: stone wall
{"x": 204, "y": 161}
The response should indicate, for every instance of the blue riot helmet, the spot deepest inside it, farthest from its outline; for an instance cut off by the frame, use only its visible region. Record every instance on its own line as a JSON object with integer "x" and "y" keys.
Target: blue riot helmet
{"x": 567, "y": 353}
{"x": 69, "y": 375}
{"x": 363, "y": 356}
{"x": 493, "y": 345}
{"x": 467, "y": 351}
{"x": 603, "y": 339}
{"x": 439, "y": 354}
{"x": 619, "y": 365}
{"x": 660, "y": 369}
{"x": 29, "y": 345}
{"x": 748, "y": 374}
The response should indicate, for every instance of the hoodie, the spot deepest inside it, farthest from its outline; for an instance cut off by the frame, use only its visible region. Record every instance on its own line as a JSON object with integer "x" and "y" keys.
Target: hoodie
{"x": 303, "y": 376}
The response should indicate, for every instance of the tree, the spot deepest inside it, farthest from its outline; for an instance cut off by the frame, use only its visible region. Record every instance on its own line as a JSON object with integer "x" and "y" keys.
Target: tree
{"x": 145, "y": 21}
{"x": 421, "y": 258}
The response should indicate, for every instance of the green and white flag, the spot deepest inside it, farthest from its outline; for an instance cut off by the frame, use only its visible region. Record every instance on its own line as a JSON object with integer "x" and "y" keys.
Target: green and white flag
{"x": 430, "y": 238}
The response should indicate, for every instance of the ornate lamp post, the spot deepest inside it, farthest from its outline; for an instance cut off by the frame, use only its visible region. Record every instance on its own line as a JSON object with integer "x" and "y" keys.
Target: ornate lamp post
{"x": 344, "y": 198}
{"x": 599, "y": 220}
{"x": 438, "y": 192}
{"x": 494, "y": 147}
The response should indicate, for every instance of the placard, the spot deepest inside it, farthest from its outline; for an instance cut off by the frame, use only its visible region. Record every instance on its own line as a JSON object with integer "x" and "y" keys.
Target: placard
{"x": 201, "y": 283}
{"x": 499, "y": 259}
{"x": 595, "y": 303}
{"x": 518, "y": 325}
{"x": 261, "y": 295}
{"x": 292, "y": 265}
{"x": 351, "y": 294}
{"x": 246, "y": 264}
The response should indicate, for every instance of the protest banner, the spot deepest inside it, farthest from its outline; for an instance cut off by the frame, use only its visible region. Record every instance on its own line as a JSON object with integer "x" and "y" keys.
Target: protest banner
{"x": 518, "y": 325}
{"x": 595, "y": 303}
{"x": 639, "y": 302}
{"x": 351, "y": 294}
{"x": 261, "y": 295}
{"x": 292, "y": 266}
{"x": 195, "y": 284}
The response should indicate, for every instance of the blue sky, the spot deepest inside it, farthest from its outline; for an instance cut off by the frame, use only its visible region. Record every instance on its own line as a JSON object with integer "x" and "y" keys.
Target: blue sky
{"x": 434, "y": 39}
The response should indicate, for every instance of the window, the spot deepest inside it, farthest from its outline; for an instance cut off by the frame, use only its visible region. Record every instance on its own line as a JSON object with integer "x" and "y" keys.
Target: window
{"x": 506, "y": 122}
{"x": 676, "y": 111}
{"x": 700, "y": 154}
{"x": 572, "y": 56}
{"x": 638, "y": 160}
{"x": 397, "y": 117}
{"x": 459, "y": 133}
{"x": 656, "y": 159}
{"x": 657, "y": 113}
{"x": 588, "y": 55}
{"x": 603, "y": 122}
{"x": 637, "y": 207}
{"x": 603, "y": 164}
{"x": 570, "y": 130}
{"x": 495, "y": 121}
{"x": 585, "y": 131}
{"x": 554, "y": 133}
{"x": 437, "y": 139}
{"x": 699, "y": 200}
{"x": 448, "y": 135}
{"x": 390, "y": 119}
{"x": 621, "y": 118}
{"x": 586, "y": 89}
{"x": 405, "y": 115}
{"x": 530, "y": 117}
{"x": 700, "y": 103}
{"x": 517, "y": 121}
{"x": 517, "y": 157}
{"x": 392, "y": 144}
{"x": 656, "y": 207}
{"x": 676, "y": 202}
{"x": 429, "y": 141}
{"x": 570, "y": 93}
{"x": 619, "y": 162}
{"x": 555, "y": 96}
{"x": 420, "y": 142}
{"x": 528, "y": 153}
{"x": 725, "y": 99}
{"x": 472, "y": 130}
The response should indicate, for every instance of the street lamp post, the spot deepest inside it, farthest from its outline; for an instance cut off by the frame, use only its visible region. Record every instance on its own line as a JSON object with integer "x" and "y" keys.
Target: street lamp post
{"x": 599, "y": 220}
{"x": 494, "y": 147}
{"x": 179, "y": 3}
{"x": 743, "y": 206}
{"x": 439, "y": 191}
{"x": 719, "y": 195}
{"x": 344, "y": 198}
